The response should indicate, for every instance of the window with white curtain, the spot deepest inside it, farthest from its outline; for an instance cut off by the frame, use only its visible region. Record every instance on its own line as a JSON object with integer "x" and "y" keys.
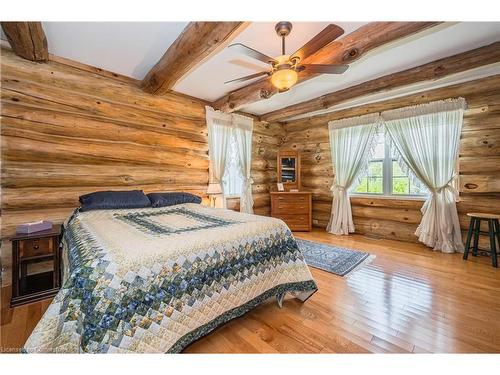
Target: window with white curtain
{"x": 232, "y": 180}
{"x": 385, "y": 177}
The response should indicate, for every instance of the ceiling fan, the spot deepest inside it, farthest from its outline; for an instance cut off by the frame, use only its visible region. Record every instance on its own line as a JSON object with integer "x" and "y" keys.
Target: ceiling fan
{"x": 284, "y": 69}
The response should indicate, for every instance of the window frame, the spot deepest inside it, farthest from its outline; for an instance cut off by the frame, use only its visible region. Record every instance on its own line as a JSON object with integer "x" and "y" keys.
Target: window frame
{"x": 387, "y": 177}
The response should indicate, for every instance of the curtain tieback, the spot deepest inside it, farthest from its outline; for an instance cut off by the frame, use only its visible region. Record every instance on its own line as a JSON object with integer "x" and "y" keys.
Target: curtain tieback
{"x": 448, "y": 186}
{"x": 248, "y": 181}
{"x": 337, "y": 188}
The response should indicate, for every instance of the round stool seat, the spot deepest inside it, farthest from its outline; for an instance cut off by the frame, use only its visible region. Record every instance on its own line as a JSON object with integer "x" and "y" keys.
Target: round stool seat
{"x": 483, "y": 215}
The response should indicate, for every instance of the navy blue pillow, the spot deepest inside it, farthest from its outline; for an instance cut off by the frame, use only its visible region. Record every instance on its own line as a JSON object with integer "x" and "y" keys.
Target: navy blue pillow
{"x": 170, "y": 199}
{"x": 102, "y": 200}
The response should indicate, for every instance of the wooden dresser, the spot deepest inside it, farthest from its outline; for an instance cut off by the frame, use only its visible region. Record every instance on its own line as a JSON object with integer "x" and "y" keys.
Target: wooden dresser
{"x": 294, "y": 208}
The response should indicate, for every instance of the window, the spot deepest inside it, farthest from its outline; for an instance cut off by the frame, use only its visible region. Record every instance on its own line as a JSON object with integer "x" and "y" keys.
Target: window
{"x": 384, "y": 176}
{"x": 232, "y": 180}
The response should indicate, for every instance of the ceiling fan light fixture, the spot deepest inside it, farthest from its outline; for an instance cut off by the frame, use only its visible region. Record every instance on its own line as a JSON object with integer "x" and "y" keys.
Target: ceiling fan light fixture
{"x": 283, "y": 79}
{"x": 284, "y": 69}
{"x": 284, "y": 76}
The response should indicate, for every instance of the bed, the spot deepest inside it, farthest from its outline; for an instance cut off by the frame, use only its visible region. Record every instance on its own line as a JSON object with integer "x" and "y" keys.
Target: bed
{"x": 153, "y": 280}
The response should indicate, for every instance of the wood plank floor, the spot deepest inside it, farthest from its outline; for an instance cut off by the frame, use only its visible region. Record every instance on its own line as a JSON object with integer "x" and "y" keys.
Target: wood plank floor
{"x": 409, "y": 299}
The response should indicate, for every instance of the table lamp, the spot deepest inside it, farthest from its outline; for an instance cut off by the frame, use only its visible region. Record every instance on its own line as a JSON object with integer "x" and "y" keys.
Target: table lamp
{"x": 214, "y": 189}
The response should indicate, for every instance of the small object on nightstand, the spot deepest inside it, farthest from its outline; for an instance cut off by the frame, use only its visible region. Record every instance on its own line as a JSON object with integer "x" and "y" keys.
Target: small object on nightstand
{"x": 37, "y": 226}
{"x": 31, "y": 254}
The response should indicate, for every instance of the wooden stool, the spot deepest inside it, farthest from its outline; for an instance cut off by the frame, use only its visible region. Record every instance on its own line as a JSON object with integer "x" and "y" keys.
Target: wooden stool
{"x": 493, "y": 231}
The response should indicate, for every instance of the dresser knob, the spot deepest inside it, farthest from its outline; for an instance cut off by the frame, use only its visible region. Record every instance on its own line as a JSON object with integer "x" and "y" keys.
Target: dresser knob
{"x": 36, "y": 247}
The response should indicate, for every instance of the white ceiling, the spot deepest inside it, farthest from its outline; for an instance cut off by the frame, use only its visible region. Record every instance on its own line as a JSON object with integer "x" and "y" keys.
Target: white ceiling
{"x": 128, "y": 48}
{"x": 132, "y": 48}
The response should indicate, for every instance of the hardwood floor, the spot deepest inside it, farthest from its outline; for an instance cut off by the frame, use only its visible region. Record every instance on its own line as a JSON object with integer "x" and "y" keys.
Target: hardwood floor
{"x": 409, "y": 299}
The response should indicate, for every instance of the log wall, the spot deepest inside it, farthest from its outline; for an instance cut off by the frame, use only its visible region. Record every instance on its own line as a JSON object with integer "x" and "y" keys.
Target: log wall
{"x": 68, "y": 129}
{"x": 398, "y": 218}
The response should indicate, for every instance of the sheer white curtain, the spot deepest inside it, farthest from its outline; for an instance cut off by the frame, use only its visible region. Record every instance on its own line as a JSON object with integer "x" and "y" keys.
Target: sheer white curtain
{"x": 427, "y": 139}
{"x": 219, "y": 130}
{"x": 351, "y": 144}
{"x": 243, "y": 129}
{"x": 221, "y": 127}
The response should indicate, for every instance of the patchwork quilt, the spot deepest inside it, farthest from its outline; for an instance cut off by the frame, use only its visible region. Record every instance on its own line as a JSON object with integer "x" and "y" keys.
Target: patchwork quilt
{"x": 157, "y": 279}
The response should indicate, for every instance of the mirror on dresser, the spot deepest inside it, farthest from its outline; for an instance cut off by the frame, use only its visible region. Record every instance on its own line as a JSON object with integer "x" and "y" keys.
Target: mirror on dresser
{"x": 293, "y": 205}
{"x": 289, "y": 169}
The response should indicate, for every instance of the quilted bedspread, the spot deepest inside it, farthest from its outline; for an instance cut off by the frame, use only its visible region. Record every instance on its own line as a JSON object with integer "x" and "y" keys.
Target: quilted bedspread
{"x": 157, "y": 279}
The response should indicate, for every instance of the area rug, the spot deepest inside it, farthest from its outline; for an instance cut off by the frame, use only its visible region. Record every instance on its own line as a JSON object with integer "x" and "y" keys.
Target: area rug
{"x": 337, "y": 260}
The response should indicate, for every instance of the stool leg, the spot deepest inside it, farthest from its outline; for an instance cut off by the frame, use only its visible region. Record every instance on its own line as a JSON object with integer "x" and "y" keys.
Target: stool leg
{"x": 476, "y": 237}
{"x": 493, "y": 246}
{"x": 497, "y": 231}
{"x": 469, "y": 237}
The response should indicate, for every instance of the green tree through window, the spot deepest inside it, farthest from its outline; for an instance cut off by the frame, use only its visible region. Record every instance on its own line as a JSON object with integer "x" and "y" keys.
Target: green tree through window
{"x": 384, "y": 176}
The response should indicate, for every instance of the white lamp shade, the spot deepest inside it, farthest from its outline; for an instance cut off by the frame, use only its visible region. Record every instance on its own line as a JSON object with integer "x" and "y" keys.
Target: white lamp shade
{"x": 214, "y": 188}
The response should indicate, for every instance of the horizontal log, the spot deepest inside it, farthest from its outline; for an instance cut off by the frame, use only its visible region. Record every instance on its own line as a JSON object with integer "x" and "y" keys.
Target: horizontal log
{"x": 403, "y": 215}
{"x": 394, "y": 203}
{"x": 386, "y": 229}
{"x": 480, "y": 183}
{"x": 76, "y": 103}
{"x": 479, "y": 164}
{"x": 479, "y": 203}
{"x": 481, "y": 143}
{"x": 61, "y": 125}
{"x": 484, "y": 121}
{"x": 46, "y": 175}
{"x": 30, "y": 147}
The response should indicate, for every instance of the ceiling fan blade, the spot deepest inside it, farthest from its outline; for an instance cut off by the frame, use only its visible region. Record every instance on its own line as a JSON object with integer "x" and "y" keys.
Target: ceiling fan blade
{"x": 246, "y": 78}
{"x": 324, "y": 69}
{"x": 250, "y": 52}
{"x": 326, "y": 36}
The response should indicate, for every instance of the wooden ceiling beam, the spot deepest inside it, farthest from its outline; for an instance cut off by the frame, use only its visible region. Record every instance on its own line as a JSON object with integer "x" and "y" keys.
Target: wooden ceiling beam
{"x": 197, "y": 41}
{"x": 27, "y": 40}
{"x": 342, "y": 51}
{"x": 427, "y": 72}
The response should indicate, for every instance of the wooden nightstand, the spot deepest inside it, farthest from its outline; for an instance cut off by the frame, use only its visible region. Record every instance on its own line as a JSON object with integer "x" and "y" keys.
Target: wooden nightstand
{"x": 31, "y": 255}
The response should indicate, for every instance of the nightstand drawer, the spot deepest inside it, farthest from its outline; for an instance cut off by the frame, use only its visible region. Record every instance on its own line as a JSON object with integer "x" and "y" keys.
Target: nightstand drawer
{"x": 36, "y": 247}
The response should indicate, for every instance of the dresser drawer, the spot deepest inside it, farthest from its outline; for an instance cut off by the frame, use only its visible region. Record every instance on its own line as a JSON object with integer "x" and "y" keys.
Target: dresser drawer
{"x": 36, "y": 247}
{"x": 286, "y": 207}
{"x": 297, "y": 198}
{"x": 296, "y": 222}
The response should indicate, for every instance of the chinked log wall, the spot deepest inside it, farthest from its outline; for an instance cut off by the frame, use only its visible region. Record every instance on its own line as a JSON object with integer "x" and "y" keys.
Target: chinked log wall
{"x": 70, "y": 129}
{"x": 398, "y": 218}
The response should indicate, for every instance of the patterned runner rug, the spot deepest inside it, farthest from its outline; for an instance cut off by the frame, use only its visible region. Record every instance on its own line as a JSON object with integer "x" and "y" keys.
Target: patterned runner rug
{"x": 337, "y": 260}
